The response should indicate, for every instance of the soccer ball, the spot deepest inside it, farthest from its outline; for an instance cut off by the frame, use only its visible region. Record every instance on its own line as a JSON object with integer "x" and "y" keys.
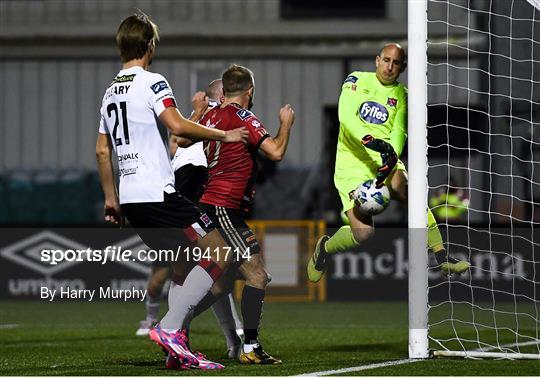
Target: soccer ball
{"x": 369, "y": 199}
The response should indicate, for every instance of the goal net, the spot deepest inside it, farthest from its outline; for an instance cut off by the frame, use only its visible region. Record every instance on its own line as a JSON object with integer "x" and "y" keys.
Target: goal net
{"x": 483, "y": 105}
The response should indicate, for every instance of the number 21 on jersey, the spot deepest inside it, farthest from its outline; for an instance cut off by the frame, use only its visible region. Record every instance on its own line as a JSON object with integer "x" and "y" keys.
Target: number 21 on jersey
{"x": 113, "y": 108}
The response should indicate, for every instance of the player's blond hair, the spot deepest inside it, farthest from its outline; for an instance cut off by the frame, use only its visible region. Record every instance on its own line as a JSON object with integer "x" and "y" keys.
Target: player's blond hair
{"x": 236, "y": 79}
{"x": 135, "y": 35}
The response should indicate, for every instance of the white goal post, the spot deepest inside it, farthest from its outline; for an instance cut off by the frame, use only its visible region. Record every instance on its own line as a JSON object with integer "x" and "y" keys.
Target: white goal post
{"x": 474, "y": 68}
{"x": 417, "y": 154}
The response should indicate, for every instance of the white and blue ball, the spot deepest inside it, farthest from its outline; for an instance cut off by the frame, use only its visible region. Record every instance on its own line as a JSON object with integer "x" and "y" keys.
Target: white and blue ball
{"x": 369, "y": 199}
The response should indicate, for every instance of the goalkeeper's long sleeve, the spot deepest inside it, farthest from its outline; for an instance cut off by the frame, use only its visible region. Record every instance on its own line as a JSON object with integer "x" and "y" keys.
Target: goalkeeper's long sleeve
{"x": 349, "y": 102}
{"x": 399, "y": 130}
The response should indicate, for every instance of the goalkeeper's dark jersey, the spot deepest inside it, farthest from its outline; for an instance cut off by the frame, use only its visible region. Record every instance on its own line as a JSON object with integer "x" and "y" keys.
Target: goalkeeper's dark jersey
{"x": 232, "y": 167}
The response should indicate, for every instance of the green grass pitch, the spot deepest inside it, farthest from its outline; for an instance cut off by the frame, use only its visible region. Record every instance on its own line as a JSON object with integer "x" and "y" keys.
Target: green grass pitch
{"x": 80, "y": 338}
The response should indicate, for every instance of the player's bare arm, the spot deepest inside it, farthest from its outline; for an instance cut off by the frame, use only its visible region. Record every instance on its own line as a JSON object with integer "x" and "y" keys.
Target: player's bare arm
{"x": 112, "y": 210}
{"x": 275, "y": 148}
{"x": 199, "y": 102}
{"x": 183, "y": 127}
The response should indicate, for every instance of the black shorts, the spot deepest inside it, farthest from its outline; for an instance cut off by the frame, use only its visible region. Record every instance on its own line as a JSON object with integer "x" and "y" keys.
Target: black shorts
{"x": 234, "y": 229}
{"x": 174, "y": 223}
{"x": 189, "y": 181}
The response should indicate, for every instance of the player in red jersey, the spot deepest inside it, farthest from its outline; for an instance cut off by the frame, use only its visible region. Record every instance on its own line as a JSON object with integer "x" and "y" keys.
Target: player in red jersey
{"x": 231, "y": 176}
{"x": 146, "y": 195}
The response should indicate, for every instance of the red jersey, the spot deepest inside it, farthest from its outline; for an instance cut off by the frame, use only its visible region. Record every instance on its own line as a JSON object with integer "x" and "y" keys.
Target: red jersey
{"x": 232, "y": 167}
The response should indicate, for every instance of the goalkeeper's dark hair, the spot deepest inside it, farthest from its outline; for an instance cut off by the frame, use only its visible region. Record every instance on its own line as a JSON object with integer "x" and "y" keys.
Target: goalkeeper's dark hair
{"x": 236, "y": 79}
{"x": 135, "y": 35}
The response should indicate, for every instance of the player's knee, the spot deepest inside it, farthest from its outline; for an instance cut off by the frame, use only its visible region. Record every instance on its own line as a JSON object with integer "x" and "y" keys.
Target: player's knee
{"x": 153, "y": 283}
{"x": 257, "y": 278}
{"x": 402, "y": 193}
{"x": 400, "y": 187}
{"x": 364, "y": 233}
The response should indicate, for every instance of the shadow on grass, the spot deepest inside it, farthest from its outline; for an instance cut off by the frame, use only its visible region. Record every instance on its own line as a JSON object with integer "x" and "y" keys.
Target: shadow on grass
{"x": 61, "y": 340}
{"x": 367, "y": 348}
{"x": 159, "y": 363}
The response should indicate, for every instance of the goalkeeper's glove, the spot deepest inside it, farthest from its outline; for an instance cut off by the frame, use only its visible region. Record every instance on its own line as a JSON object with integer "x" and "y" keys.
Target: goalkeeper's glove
{"x": 388, "y": 156}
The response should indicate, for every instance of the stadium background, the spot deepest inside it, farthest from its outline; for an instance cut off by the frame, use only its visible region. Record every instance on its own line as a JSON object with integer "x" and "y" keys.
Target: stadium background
{"x": 57, "y": 57}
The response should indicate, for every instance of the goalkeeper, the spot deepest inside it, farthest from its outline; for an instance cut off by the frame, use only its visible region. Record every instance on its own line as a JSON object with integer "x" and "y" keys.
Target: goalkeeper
{"x": 373, "y": 128}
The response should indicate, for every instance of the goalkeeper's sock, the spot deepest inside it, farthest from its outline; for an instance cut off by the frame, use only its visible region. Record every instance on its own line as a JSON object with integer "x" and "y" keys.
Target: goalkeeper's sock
{"x": 342, "y": 241}
{"x": 449, "y": 264}
{"x": 435, "y": 242}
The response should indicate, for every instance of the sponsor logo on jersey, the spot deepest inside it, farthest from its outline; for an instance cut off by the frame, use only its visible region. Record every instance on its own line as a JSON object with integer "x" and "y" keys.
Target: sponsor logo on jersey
{"x": 128, "y": 171}
{"x": 130, "y": 156}
{"x": 373, "y": 112}
{"x": 256, "y": 123}
{"x": 391, "y": 102}
{"x": 159, "y": 86}
{"x": 351, "y": 79}
{"x": 123, "y": 78}
{"x": 243, "y": 114}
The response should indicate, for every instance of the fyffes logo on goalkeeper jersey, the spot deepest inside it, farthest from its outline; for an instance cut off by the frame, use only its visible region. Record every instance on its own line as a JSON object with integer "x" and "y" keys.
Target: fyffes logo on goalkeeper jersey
{"x": 373, "y": 112}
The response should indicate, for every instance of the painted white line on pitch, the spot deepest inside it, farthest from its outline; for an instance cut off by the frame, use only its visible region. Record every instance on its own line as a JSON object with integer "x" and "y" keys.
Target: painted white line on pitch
{"x": 360, "y": 368}
{"x": 399, "y": 362}
{"x": 8, "y": 326}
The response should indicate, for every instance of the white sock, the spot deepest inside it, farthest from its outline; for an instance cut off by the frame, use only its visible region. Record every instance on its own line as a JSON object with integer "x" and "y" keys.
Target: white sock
{"x": 171, "y": 294}
{"x": 249, "y": 347}
{"x": 223, "y": 312}
{"x": 152, "y": 308}
{"x": 186, "y": 297}
{"x": 237, "y": 321}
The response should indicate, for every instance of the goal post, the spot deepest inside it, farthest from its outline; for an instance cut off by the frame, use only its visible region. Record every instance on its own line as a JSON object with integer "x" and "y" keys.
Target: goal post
{"x": 417, "y": 153}
{"x": 474, "y": 67}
